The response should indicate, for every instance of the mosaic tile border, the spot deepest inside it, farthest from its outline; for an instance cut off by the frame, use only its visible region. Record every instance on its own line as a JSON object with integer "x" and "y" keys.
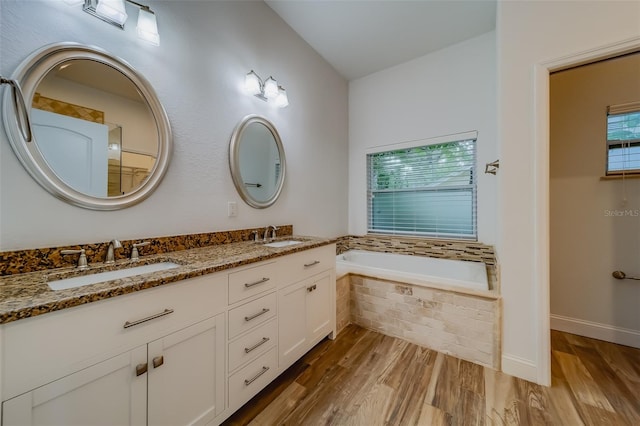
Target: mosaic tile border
{"x": 39, "y": 259}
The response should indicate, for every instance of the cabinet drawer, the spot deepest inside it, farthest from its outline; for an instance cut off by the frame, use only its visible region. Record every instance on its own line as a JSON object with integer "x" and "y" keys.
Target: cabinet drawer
{"x": 251, "y": 379}
{"x": 252, "y": 281}
{"x": 247, "y": 316}
{"x": 253, "y": 344}
{"x": 41, "y": 349}
{"x": 305, "y": 264}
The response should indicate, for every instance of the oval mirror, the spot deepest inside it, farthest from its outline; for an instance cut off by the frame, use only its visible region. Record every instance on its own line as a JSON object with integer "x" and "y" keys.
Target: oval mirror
{"x": 101, "y": 138}
{"x": 257, "y": 162}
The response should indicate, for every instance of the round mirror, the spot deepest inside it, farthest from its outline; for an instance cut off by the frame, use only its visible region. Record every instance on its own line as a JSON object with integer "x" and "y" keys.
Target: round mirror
{"x": 256, "y": 158}
{"x": 101, "y": 138}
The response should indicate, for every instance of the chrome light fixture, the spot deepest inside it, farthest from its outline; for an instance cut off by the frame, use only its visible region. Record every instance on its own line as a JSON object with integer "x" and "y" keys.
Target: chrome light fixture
{"x": 267, "y": 90}
{"x": 114, "y": 12}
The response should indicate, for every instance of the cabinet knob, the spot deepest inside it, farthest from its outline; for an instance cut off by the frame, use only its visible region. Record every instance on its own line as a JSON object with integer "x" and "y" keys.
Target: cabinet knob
{"x": 141, "y": 369}
{"x": 158, "y": 361}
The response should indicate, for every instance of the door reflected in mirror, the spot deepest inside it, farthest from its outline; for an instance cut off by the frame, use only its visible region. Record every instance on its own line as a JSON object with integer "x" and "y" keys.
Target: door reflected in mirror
{"x": 257, "y": 162}
{"x": 94, "y": 129}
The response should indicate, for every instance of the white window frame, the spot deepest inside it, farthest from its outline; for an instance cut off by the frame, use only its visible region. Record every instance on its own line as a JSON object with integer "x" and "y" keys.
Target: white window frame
{"x": 628, "y": 108}
{"x": 471, "y": 135}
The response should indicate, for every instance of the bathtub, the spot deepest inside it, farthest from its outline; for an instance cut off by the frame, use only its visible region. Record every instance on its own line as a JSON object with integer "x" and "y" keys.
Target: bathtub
{"x": 416, "y": 270}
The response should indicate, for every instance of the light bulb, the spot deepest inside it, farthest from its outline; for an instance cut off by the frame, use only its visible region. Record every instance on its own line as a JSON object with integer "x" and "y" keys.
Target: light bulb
{"x": 282, "y": 100}
{"x": 270, "y": 88}
{"x": 112, "y": 9}
{"x": 148, "y": 27}
{"x": 252, "y": 83}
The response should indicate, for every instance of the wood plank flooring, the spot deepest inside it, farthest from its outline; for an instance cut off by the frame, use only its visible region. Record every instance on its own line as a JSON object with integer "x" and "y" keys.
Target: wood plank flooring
{"x": 364, "y": 378}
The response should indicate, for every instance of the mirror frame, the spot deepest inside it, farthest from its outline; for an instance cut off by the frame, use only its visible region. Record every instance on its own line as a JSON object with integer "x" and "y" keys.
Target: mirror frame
{"x": 30, "y": 73}
{"x": 234, "y": 161}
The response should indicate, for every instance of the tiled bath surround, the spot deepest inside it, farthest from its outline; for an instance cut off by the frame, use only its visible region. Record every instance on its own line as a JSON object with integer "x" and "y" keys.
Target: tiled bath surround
{"x": 40, "y": 259}
{"x": 343, "y": 302}
{"x": 467, "y": 326}
{"x": 463, "y": 325}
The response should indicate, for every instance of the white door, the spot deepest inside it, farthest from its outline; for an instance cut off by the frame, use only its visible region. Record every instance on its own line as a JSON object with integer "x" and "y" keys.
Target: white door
{"x": 76, "y": 150}
{"x": 292, "y": 324}
{"x": 186, "y": 375}
{"x": 106, "y": 394}
{"x": 319, "y": 308}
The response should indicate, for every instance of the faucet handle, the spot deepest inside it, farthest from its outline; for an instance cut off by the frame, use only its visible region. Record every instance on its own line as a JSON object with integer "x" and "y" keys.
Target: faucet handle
{"x": 273, "y": 231}
{"x": 82, "y": 259}
{"x": 135, "y": 255}
{"x": 255, "y": 235}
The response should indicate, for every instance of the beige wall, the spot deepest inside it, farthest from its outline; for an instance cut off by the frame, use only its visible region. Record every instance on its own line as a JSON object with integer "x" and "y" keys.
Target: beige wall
{"x": 588, "y": 240}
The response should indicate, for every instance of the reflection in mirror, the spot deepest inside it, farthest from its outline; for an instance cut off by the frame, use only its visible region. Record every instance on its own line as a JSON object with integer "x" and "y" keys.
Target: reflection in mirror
{"x": 102, "y": 139}
{"x": 73, "y": 111}
{"x": 257, "y": 161}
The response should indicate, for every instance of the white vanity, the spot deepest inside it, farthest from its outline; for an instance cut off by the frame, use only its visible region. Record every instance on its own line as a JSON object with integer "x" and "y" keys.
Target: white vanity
{"x": 188, "y": 352}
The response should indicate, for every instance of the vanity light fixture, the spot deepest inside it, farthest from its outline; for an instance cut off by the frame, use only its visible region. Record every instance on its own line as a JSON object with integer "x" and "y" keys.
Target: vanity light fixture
{"x": 114, "y": 12}
{"x": 268, "y": 90}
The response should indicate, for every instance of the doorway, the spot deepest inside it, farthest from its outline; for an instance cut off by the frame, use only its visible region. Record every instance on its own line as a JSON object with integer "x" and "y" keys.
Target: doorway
{"x": 594, "y": 199}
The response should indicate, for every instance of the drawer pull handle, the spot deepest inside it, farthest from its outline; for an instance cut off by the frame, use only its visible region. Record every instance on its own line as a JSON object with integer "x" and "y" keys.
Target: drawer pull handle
{"x": 254, "y": 316}
{"x": 249, "y": 285}
{"x": 313, "y": 287}
{"x": 158, "y": 361}
{"x": 141, "y": 369}
{"x": 149, "y": 318}
{"x": 257, "y": 345}
{"x": 254, "y": 378}
{"x": 308, "y": 265}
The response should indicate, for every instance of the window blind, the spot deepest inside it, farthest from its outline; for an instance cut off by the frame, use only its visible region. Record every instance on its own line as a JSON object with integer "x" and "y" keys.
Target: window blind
{"x": 623, "y": 138}
{"x": 426, "y": 190}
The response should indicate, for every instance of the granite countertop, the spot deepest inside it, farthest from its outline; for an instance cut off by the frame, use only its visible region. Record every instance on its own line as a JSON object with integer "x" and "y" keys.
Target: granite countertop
{"x": 28, "y": 295}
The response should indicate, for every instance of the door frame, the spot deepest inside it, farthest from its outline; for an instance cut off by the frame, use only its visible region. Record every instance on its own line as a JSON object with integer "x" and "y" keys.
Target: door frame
{"x": 541, "y": 138}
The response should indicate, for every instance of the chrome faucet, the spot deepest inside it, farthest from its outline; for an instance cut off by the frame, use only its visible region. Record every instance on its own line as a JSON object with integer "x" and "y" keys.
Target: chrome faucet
{"x": 273, "y": 232}
{"x": 113, "y": 244}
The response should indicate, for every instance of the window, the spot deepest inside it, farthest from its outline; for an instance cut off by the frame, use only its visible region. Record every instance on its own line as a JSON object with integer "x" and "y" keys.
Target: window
{"x": 623, "y": 139}
{"x": 427, "y": 190}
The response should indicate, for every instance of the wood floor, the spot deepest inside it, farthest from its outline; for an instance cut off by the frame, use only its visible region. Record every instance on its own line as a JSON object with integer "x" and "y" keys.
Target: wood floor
{"x": 364, "y": 378}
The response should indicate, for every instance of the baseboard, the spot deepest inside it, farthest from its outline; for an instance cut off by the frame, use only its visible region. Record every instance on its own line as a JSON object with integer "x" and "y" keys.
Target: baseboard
{"x": 520, "y": 367}
{"x": 609, "y": 333}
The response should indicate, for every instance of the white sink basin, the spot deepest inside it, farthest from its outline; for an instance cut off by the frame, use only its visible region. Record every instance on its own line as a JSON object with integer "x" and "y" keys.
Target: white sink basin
{"x": 100, "y": 277}
{"x": 285, "y": 243}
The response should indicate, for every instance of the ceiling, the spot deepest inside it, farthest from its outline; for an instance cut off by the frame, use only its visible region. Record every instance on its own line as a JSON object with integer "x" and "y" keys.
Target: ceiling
{"x": 360, "y": 37}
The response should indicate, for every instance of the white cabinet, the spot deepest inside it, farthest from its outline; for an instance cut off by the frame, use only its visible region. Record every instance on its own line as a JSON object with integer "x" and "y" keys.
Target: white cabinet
{"x": 108, "y": 393}
{"x": 186, "y": 375}
{"x": 175, "y": 380}
{"x": 190, "y": 352}
{"x": 306, "y": 315}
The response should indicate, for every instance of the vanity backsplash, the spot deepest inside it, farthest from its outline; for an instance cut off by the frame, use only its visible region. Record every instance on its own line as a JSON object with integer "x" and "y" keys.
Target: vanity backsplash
{"x": 30, "y": 260}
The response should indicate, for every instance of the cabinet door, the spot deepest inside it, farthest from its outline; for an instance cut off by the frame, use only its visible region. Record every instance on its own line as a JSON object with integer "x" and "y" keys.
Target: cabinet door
{"x": 319, "y": 308}
{"x": 292, "y": 325}
{"x": 186, "y": 375}
{"x": 109, "y": 393}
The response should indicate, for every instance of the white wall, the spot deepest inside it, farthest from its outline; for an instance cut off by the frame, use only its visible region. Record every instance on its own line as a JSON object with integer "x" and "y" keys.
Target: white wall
{"x": 531, "y": 33}
{"x": 206, "y": 48}
{"x": 449, "y": 91}
{"x": 588, "y": 239}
